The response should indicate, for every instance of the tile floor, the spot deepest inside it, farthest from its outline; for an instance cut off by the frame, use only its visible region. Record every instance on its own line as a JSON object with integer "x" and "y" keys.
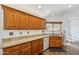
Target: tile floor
{"x": 69, "y": 49}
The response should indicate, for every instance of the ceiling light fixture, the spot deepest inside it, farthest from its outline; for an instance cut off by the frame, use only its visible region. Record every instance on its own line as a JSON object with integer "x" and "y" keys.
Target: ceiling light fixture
{"x": 69, "y": 6}
{"x": 39, "y": 6}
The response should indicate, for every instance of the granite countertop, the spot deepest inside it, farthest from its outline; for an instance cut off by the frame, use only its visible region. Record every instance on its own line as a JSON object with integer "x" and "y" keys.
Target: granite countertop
{"x": 20, "y": 40}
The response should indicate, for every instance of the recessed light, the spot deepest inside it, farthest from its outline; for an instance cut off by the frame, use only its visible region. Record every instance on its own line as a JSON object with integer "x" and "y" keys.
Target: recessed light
{"x": 47, "y": 12}
{"x": 69, "y": 6}
{"x": 39, "y": 6}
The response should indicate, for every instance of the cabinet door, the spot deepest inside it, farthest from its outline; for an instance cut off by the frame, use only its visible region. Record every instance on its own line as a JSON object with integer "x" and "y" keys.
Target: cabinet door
{"x": 35, "y": 47}
{"x": 23, "y": 21}
{"x": 25, "y": 49}
{"x": 52, "y": 41}
{"x": 59, "y": 41}
{"x": 14, "y": 50}
{"x": 34, "y": 23}
{"x": 40, "y": 46}
{"x": 38, "y": 23}
{"x": 43, "y": 24}
{"x": 10, "y": 19}
{"x": 31, "y": 23}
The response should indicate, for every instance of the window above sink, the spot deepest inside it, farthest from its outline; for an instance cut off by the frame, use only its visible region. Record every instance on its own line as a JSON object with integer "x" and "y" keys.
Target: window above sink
{"x": 54, "y": 27}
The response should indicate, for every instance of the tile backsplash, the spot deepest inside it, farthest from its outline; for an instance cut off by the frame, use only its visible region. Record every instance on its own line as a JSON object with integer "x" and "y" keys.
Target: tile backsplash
{"x": 16, "y": 33}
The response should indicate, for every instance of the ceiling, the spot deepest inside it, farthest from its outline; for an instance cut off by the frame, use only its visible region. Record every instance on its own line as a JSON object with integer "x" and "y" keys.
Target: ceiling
{"x": 46, "y": 10}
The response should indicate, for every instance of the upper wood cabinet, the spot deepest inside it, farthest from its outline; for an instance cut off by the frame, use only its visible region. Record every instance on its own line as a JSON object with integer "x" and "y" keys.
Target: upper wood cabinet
{"x": 23, "y": 21}
{"x": 15, "y": 19}
{"x": 34, "y": 23}
{"x": 10, "y": 19}
{"x": 43, "y": 23}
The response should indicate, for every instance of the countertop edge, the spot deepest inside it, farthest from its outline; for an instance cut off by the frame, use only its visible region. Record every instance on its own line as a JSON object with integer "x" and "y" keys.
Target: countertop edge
{"x": 16, "y": 42}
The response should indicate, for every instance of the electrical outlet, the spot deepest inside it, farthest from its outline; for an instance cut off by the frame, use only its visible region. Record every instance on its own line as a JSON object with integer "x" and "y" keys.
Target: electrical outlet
{"x": 10, "y": 33}
{"x": 20, "y": 32}
{"x": 28, "y": 32}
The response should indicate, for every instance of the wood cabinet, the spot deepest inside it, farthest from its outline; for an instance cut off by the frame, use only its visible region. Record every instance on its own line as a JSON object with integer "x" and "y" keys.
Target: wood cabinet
{"x": 52, "y": 41}
{"x": 13, "y": 50}
{"x": 40, "y": 45}
{"x": 22, "y": 49}
{"x": 32, "y": 22}
{"x": 59, "y": 43}
{"x": 25, "y": 49}
{"x": 10, "y": 19}
{"x": 30, "y": 48}
{"x": 37, "y": 46}
{"x": 15, "y": 19}
{"x": 36, "y": 23}
{"x": 55, "y": 41}
{"x": 23, "y": 21}
{"x": 43, "y": 24}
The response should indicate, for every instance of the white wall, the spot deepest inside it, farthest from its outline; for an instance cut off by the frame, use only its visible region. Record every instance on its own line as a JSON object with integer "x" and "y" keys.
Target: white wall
{"x": 69, "y": 25}
{"x": 1, "y": 25}
{"x": 74, "y": 28}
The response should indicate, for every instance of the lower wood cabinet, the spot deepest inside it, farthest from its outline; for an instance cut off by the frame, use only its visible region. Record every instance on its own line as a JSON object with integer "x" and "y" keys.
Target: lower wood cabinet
{"x": 22, "y": 49}
{"x": 13, "y": 50}
{"x": 37, "y": 46}
{"x": 55, "y": 41}
{"x": 30, "y": 48}
{"x": 25, "y": 49}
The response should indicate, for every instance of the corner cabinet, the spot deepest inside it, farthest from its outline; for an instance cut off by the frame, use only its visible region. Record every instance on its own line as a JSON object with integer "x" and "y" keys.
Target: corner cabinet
{"x": 19, "y": 20}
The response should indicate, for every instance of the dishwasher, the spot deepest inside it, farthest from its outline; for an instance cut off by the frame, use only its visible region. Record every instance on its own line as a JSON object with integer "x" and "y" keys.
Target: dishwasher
{"x": 46, "y": 43}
